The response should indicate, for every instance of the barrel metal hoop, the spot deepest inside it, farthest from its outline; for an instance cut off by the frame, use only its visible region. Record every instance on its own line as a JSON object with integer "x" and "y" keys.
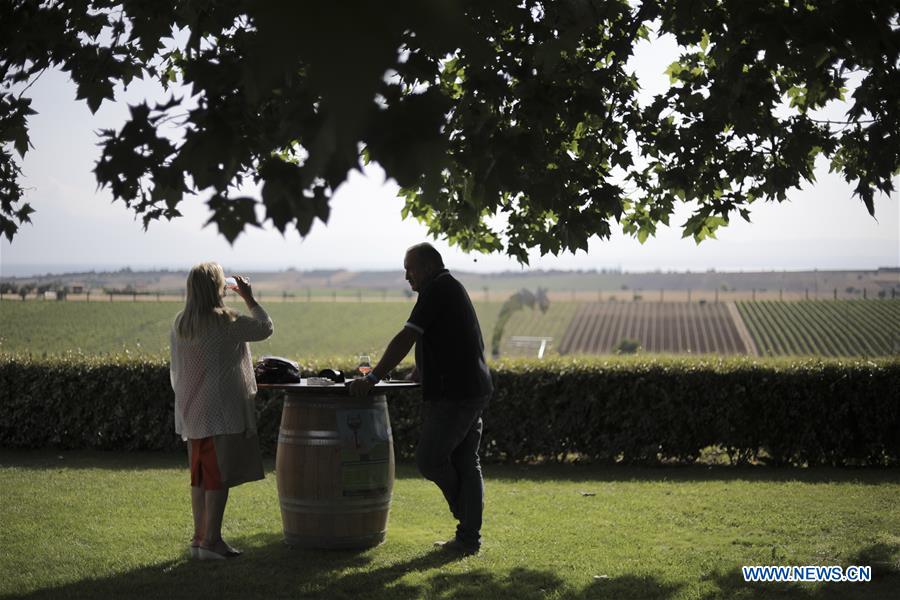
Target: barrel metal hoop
{"x": 338, "y": 403}
{"x": 297, "y": 440}
{"x": 337, "y": 506}
{"x": 310, "y": 433}
{"x": 384, "y": 499}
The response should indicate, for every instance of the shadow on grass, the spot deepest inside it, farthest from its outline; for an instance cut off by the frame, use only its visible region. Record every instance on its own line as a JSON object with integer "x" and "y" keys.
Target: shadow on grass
{"x": 272, "y": 570}
{"x": 94, "y": 459}
{"x": 885, "y": 581}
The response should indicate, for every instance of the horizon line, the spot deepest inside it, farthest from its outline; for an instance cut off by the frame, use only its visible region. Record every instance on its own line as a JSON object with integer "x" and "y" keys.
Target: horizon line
{"x": 109, "y": 269}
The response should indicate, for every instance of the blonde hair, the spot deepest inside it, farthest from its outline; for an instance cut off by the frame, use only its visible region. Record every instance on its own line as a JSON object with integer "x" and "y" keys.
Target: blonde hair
{"x": 204, "y": 306}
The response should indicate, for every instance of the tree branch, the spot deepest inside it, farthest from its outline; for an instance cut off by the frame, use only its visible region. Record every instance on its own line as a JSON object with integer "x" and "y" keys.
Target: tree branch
{"x": 31, "y": 83}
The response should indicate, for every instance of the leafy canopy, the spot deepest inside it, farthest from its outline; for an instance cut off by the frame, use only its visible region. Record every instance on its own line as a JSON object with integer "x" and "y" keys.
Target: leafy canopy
{"x": 513, "y": 108}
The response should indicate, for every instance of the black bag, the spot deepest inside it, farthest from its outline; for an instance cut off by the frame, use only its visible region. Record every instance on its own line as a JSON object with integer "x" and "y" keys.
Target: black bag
{"x": 275, "y": 369}
{"x": 334, "y": 375}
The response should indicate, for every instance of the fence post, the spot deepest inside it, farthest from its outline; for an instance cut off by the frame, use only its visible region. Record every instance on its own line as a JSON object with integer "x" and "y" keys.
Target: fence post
{"x": 717, "y": 295}
{"x": 754, "y": 294}
{"x": 864, "y": 293}
{"x": 780, "y": 294}
{"x": 835, "y": 293}
{"x": 689, "y": 294}
{"x": 807, "y": 293}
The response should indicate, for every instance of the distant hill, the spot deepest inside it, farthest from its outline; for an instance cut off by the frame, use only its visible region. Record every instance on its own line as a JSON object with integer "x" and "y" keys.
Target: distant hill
{"x": 884, "y": 281}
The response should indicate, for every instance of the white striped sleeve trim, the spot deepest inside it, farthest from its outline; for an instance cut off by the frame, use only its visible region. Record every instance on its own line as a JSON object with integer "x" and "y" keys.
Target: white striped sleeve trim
{"x": 414, "y": 327}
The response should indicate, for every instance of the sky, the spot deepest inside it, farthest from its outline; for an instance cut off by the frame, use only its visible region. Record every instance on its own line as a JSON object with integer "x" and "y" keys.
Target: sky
{"x": 77, "y": 227}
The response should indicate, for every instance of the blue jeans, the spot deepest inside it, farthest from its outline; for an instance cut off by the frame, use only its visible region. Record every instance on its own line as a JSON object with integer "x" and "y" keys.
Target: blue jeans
{"x": 447, "y": 454}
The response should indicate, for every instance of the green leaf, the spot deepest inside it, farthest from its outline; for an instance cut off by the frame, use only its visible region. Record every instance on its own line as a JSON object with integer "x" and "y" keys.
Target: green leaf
{"x": 643, "y": 234}
{"x": 232, "y": 215}
{"x": 95, "y": 92}
{"x": 674, "y": 70}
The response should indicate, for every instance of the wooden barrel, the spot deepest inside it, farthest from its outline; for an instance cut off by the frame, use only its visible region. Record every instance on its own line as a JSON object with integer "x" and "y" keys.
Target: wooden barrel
{"x": 335, "y": 470}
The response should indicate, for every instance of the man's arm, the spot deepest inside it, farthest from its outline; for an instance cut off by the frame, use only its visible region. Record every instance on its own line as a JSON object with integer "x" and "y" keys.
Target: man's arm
{"x": 396, "y": 350}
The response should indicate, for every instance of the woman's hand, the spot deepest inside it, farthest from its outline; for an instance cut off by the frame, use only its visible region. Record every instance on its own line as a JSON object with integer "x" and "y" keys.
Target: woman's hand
{"x": 244, "y": 290}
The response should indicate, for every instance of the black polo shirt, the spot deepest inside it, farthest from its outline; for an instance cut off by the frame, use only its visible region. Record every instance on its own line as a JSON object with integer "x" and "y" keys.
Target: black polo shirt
{"x": 450, "y": 350}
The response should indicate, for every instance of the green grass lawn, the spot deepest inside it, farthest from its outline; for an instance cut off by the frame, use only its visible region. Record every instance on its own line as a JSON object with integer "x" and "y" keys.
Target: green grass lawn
{"x": 88, "y": 524}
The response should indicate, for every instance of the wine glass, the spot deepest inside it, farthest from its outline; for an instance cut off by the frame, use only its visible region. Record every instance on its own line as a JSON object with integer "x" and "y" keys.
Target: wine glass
{"x": 365, "y": 364}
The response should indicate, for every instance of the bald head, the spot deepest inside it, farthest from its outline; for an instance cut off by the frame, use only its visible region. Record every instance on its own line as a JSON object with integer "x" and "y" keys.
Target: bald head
{"x": 422, "y": 263}
{"x": 426, "y": 255}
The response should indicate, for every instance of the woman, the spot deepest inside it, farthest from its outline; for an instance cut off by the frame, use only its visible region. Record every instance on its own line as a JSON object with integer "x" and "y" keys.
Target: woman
{"x": 214, "y": 399}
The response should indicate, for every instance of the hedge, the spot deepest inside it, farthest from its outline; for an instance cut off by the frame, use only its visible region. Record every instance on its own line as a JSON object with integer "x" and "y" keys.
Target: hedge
{"x": 634, "y": 409}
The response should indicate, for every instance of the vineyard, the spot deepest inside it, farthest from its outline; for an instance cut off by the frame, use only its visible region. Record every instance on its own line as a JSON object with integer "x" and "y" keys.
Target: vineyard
{"x": 529, "y": 322}
{"x": 325, "y": 329}
{"x": 302, "y": 330}
{"x": 665, "y": 327}
{"x": 841, "y": 328}
{"x": 768, "y": 328}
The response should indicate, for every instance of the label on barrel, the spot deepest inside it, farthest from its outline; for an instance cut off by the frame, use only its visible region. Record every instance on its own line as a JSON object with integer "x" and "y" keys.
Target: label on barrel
{"x": 365, "y": 452}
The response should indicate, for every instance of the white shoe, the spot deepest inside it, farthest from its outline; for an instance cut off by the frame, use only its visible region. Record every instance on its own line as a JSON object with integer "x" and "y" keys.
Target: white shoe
{"x": 207, "y": 554}
{"x": 210, "y": 554}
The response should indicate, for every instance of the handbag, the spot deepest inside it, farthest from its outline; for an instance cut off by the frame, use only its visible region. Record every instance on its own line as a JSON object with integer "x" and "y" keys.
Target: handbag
{"x": 275, "y": 369}
{"x": 334, "y": 375}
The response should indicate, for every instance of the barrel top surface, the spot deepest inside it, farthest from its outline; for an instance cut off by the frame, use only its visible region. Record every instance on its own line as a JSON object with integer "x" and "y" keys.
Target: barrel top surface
{"x": 339, "y": 389}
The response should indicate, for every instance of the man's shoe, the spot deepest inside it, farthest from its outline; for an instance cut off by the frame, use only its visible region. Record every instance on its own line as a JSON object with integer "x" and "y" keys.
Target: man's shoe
{"x": 457, "y": 547}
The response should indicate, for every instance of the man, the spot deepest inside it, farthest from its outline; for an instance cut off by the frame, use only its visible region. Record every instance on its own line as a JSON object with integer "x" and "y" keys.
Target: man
{"x": 456, "y": 387}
